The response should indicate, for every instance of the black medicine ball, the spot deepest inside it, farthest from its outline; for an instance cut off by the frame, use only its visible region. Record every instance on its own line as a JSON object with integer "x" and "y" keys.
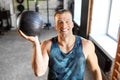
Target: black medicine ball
{"x": 29, "y": 22}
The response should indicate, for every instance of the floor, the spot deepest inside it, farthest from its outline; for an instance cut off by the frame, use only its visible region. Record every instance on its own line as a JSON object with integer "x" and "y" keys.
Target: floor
{"x": 15, "y": 56}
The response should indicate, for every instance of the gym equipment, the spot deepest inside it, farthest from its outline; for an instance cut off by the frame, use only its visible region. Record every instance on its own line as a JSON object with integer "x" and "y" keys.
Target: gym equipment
{"x": 20, "y": 1}
{"x": 30, "y": 23}
{"x": 20, "y": 7}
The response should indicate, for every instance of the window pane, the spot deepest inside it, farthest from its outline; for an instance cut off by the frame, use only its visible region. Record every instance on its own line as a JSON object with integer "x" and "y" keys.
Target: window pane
{"x": 114, "y": 22}
{"x": 77, "y": 11}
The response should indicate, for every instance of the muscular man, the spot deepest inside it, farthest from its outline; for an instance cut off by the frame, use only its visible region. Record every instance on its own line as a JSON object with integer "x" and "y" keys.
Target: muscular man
{"x": 66, "y": 54}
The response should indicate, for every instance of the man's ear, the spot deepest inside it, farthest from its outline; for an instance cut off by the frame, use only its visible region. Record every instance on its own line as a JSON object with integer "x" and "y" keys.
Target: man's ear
{"x": 72, "y": 23}
{"x": 55, "y": 27}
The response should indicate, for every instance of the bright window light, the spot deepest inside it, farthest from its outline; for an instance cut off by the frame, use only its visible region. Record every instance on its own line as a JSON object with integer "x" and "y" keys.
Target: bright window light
{"x": 114, "y": 23}
{"x": 77, "y": 12}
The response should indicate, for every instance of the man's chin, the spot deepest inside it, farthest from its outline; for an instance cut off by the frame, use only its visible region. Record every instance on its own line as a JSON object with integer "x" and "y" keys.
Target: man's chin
{"x": 64, "y": 34}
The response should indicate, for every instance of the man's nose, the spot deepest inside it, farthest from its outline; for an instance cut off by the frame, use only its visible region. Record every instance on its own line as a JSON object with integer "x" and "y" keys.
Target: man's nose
{"x": 64, "y": 25}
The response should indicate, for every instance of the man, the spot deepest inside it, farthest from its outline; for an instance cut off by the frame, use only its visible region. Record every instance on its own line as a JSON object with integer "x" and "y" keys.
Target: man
{"x": 66, "y": 54}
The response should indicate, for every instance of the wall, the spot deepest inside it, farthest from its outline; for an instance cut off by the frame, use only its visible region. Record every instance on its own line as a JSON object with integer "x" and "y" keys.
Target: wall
{"x": 5, "y": 4}
{"x": 8, "y": 5}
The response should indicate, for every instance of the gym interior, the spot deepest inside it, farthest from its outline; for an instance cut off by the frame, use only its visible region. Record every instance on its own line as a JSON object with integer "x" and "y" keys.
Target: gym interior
{"x": 89, "y": 22}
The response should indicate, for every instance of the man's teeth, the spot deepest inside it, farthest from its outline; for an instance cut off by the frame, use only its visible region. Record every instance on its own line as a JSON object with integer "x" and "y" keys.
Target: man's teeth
{"x": 64, "y": 30}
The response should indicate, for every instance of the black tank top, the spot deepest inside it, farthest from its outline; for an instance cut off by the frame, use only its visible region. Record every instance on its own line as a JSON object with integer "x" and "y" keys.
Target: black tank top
{"x": 70, "y": 66}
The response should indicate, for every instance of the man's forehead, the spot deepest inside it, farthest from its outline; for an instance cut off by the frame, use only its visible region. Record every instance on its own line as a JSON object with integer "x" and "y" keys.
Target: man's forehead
{"x": 64, "y": 16}
{"x": 65, "y": 13}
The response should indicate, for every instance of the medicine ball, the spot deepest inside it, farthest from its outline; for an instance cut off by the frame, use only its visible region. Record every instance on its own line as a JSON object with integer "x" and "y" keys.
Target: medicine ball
{"x": 29, "y": 22}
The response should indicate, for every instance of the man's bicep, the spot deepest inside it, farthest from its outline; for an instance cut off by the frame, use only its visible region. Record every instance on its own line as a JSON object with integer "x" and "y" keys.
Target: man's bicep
{"x": 92, "y": 60}
{"x": 45, "y": 47}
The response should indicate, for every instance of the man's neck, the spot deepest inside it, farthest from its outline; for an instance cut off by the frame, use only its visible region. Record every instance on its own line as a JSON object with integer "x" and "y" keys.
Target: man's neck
{"x": 65, "y": 40}
{"x": 66, "y": 43}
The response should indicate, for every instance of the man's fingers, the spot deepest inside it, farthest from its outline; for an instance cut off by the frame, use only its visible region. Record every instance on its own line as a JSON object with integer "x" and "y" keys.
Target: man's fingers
{"x": 22, "y": 34}
{"x": 29, "y": 38}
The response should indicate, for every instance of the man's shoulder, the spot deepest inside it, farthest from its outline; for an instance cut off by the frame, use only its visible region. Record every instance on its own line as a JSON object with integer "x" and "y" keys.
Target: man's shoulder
{"x": 48, "y": 42}
{"x": 88, "y": 47}
{"x": 84, "y": 40}
{"x": 87, "y": 43}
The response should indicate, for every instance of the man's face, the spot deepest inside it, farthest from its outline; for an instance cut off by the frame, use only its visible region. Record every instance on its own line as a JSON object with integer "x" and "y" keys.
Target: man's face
{"x": 63, "y": 23}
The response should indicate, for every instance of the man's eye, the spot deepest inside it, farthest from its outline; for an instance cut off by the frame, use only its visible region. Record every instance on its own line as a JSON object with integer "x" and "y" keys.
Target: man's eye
{"x": 67, "y": 21}
{"x": 60, "y": 22}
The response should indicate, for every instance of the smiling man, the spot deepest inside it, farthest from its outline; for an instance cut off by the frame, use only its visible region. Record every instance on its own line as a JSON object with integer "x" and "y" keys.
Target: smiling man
{"x": 65, "y": 55}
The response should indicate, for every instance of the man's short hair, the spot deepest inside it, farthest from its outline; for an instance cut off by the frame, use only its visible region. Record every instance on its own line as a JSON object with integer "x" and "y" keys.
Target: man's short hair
{"x": 61, "y": 11}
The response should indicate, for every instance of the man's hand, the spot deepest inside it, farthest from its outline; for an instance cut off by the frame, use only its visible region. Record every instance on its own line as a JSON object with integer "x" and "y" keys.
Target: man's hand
{"x": 32, "y": 39}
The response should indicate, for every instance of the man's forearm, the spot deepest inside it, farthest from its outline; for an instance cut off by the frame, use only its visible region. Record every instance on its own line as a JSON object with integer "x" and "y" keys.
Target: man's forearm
{"x": 98, "y": 75}
{"x": 37, "y": 61}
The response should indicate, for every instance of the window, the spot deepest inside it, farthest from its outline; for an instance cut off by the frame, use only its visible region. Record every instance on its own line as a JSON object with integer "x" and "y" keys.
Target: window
{"x": 77, "y": 11}
{"x": 114, "y": 22}
{"x": 105, "y": 24}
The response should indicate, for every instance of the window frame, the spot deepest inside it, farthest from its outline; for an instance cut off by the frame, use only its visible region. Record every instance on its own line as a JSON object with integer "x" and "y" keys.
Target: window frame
{"x": 108, "y": 33}
{"x": 106, "y": 43}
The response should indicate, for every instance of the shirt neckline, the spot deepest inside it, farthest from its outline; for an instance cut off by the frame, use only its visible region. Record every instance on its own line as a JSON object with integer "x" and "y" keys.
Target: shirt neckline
{"x": 69, "y": 52}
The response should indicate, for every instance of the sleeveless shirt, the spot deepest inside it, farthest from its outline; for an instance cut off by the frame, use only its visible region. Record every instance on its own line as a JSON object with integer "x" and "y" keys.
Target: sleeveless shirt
{"x": 70, "y": 66}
